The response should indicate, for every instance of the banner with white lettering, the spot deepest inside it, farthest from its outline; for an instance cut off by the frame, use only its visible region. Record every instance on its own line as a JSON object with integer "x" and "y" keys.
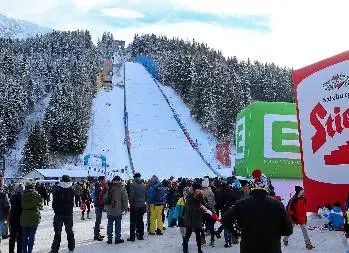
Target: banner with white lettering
{"x": 322, "y": 91}
{"x": 267, "y": 138}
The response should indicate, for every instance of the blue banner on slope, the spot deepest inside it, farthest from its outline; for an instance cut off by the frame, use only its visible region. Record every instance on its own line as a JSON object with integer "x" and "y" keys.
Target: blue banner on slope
{"x": 150, "y": 65}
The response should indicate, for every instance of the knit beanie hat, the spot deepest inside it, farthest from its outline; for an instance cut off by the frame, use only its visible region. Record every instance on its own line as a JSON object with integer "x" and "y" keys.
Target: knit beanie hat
{"x": 206, "y": 182}
{"x": 196, "y": 186}
{"x": 258, "y": 182}
{"x": 298, "y": 189}
{"x": 65, "y": 178}
{"x": 137, "y": 175}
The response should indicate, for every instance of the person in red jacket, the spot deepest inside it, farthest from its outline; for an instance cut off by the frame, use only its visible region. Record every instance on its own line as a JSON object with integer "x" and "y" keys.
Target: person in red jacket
{"x": 296, "y": 209}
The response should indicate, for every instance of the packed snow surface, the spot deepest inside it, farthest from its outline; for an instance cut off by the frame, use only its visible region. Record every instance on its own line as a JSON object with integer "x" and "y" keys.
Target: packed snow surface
{"x": 107, "y": 132}
{"x": 158, "y": 145}
{"x": 170, "y": 242}
{"x": 15, "y": 155}
{"x": 206, "y": 142}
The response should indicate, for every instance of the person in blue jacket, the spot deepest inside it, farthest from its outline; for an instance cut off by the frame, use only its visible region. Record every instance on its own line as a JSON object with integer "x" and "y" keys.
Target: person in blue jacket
{"x": 157, "y": 194}
{"x": 336, "y": 218}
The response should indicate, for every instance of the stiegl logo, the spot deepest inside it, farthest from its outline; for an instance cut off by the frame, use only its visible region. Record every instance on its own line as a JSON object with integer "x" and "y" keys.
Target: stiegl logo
{"x": 326, "y": 124}
{"x": 336, "y": 82}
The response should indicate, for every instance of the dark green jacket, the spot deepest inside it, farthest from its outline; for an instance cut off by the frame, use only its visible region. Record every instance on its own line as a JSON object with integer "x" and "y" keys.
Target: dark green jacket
{"x": 31, "y": 204}
{"x": 193, "y": 213}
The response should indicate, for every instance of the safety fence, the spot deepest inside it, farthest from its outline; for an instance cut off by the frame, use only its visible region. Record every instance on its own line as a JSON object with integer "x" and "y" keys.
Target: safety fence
{"x": 127, "y": 132}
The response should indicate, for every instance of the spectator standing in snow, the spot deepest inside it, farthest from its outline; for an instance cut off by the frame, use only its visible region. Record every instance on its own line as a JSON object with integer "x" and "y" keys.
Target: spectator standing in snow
{"x": 137, "y": 199}
{"x": 209, "y": 199}
{"x": 63, "y": 204}
{"x": 85, "y": 203}
{"x": 31, "y": 203}
{"x": 77, "y": 192}
{"x": 116, "y": 203}
{"x": 156, "y": 200}
{"x": 262, "y": 219}
{"x": 172, "y": 198}
{"x": 15, "y": 223}
{"x": 226, "y": 198}
{"x": 99, "y": 191}
{"x": 193, "y": 216}
{"x": 4, "y": 206}
{"x": 336, "y": 219}
{"x": 43, "y": 193}
{"x": 180, "y": 211}
{"x": 296, "y": 209}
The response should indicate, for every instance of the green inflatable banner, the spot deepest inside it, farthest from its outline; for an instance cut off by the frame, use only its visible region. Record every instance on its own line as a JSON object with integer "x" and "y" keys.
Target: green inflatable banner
{"x": 267, "y": 138}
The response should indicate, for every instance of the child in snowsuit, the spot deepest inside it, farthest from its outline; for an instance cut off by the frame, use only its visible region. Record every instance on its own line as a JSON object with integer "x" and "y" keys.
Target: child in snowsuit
{"x": 336, "y": 219}
{"x": 85, "y": 203}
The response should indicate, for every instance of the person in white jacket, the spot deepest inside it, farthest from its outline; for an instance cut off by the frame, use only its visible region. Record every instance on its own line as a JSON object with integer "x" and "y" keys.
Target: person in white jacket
{"x": 210, "y": 201}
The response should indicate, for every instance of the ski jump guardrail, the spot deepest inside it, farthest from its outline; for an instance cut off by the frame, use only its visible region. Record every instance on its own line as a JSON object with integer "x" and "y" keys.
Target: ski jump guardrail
{"x": 127, "y": 132}
{"x": 151, "y": 67}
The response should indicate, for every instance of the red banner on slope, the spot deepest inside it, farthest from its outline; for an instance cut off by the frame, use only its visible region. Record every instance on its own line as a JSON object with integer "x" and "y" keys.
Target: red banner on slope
{"x": 223, "y": 153}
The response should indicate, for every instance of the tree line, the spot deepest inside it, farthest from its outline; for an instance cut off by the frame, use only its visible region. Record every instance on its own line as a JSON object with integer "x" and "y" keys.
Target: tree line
{"x": 61, "y": 65}
{"x": 214, "y": 87}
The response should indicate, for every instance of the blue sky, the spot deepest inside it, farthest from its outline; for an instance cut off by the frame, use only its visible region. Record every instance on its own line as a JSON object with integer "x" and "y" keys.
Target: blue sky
{"x": 291, "y": 33}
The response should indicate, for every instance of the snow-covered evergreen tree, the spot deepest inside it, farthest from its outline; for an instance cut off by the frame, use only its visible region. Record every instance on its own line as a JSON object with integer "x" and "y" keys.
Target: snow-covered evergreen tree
{"x": 36, "y": 150}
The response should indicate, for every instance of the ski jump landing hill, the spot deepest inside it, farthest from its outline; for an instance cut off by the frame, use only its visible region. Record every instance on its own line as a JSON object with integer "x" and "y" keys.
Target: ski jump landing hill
{"x": 135, "y": 113}
{"x": 158, "y": 144}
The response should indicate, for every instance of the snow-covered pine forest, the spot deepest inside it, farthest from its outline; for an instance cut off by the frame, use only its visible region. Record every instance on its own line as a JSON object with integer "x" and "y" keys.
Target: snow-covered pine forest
{"x": 215, "y": 88}
{"x": 62, "y": 66}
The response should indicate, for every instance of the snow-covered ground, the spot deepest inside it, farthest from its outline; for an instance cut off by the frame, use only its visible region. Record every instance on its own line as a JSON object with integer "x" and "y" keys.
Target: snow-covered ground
{"x": 19, "y": 29}
{"x": 206, "y": 141}
{"x": 107, "y": 134}
{"x": 158, "y": 145}
{"x": 170, "y": 242}
{"x": 15, "y": 155}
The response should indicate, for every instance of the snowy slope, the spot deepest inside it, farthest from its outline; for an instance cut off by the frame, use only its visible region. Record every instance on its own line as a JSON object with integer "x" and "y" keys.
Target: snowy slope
{"x": 19, "y": 29}
{"x": 206, "y": 141}
{"x": 15, "y": 155}
{"x": 107, "y": 132}
{"x": 170, "y": 242}
{"x": 158, "y": 144}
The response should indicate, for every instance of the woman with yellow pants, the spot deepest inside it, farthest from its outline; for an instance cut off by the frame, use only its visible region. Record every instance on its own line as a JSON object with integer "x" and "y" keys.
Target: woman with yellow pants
{"x": 156, "y": 199}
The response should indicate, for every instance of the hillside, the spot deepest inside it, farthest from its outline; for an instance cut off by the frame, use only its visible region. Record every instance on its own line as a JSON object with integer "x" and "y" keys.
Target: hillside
{"x": 213, "y": 87}
{"x": 19, "y": 29}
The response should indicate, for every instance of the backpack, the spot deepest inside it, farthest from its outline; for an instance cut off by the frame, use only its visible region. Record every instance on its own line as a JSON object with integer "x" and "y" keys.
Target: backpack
{"x": 107, "y": 198}
{"x": 159, "y": 196}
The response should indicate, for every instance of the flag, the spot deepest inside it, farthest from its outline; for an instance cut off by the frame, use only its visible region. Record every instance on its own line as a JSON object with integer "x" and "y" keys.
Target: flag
{"x": 209, "y": 212}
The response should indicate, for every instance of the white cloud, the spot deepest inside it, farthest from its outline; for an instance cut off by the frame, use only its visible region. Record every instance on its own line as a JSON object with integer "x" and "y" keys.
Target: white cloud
{"x": 121, "y": 13}
{"x": 227, "y": 7}
{"x": 86, "y": 5}
{"x": 301, "y": 32}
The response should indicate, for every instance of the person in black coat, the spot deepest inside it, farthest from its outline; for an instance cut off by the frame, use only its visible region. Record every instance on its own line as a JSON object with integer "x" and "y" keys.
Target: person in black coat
{"x": 14, "y": 220}
{"x": 226, "y": 197}
{"x": 62, "y": 204}
{"x": 193, "y": 216}
{"x": 262, "y": 219}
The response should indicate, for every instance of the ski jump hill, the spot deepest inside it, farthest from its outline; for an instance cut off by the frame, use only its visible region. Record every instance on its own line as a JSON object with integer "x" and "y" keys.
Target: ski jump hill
{"x": 157, "y": 143}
